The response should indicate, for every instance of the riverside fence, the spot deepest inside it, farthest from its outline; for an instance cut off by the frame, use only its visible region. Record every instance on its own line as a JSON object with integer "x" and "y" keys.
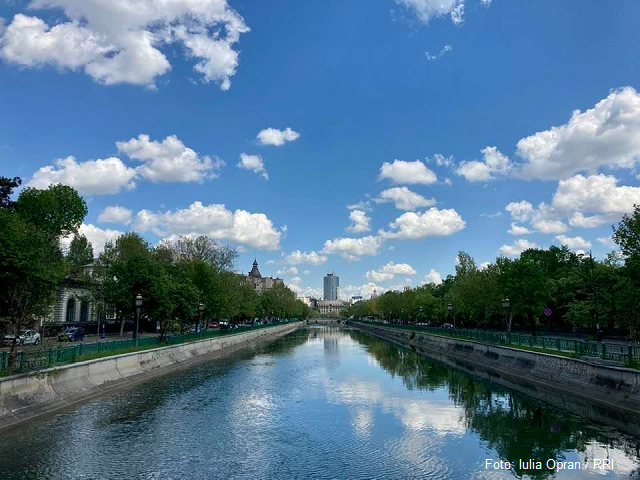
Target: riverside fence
{"x": 617, "y": 352}
{"x": 32, "y": 359}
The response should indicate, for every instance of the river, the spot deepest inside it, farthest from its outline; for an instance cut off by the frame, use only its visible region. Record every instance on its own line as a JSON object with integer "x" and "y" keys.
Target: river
{"x": 322, "y": 403}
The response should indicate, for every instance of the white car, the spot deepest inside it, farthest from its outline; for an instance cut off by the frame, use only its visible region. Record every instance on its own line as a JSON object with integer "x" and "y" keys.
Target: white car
{"x": 26, "y": 337}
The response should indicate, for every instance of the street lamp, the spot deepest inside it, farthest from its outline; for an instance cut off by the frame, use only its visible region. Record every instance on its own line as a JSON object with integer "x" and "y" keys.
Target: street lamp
{"x": 450, "y": 308}
{"x": 200, "y": 310}
{"x": 506, "y": 304}
{"x": 136, "y": 326}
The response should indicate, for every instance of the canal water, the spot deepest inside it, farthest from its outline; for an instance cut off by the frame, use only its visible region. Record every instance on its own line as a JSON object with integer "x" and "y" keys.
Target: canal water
{"x": 320, "y": 403}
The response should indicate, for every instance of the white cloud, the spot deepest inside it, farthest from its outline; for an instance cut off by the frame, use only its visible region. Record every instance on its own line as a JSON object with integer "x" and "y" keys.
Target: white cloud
{"x": 607, "y": 242}
{"x": 273, "y": 136}
{"x": 359, "y": 222}
{"x": 518, "y": 229}
{"x": 517, "y": 248}
{"x": 606, "y": 135}
{"x": 365, "y": 291}
{"x": 295, "y": 280}
{"x": 93, "y": 177}
{"x": 430, "y": 223}
{"x": 253, "y": 163}
{"x": 596, "y": 193}
{"x": 404, "y": 199}
{"x": 389, "y": 271}
{"x": 581, "y": 221}
{"x": 400, "y": 172}
{"x": 425, "y": 10}
{"x": 433, "y": 277}
{"x": 363, "y": 205}
{"x": 298, "y": 258}
{"x": 288, "y": 271}
{"x": 353, "y": 248}
{"x": 250, "y": 229}
{"x": 442, "y": 161}
{"x": 493, "y": 164}
{"x": 484, "y": 265}
{"x": 446, "y": 49}
{"x": 116, "y": 42}
{"x": 549, "y": 226}
{"x": 96, "y": 235}
{"x": 520, "y": 210}
{"x": 116, "y": 214}
{"x": 169, "y": 160}
{"x": 573, "y": 242}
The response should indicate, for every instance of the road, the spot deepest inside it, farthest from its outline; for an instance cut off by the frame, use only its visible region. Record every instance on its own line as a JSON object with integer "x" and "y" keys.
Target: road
{"x": 51, "y": 342}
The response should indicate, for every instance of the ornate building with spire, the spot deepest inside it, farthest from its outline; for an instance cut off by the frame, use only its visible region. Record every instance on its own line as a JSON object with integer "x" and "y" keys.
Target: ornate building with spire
{"x": 259, "y": 283}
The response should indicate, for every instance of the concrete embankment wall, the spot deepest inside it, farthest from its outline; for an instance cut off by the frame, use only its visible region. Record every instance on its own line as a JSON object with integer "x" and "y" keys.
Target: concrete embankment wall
{"x": 26, "y": 396}
{"x": 602, "y": 393}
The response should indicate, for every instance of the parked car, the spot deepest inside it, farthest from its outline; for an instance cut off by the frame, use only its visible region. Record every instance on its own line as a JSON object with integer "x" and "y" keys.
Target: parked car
{"x": 448, "y": 326}
{"x": 26, "y": 337}
{"x": 72, "y": 334}
{"x": 214, "y": 325}
{"x": 224, "y": 325}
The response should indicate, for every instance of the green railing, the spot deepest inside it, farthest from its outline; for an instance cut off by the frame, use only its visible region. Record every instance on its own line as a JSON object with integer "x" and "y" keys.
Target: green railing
{"x": 34, "y": 358}
{"x": 608, "y": 351}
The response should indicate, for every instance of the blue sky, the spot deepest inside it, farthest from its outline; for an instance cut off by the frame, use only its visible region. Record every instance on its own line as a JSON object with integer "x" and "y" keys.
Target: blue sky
{"x": 481, "y": 111}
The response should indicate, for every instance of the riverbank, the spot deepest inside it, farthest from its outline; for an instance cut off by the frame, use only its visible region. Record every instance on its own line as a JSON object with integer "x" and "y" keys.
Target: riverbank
{"x": 30, "y": 395}
{"x": 602, "y": 393}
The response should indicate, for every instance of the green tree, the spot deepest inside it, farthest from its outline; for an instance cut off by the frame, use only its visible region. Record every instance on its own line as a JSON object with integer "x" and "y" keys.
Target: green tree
{"x": 7, "y": 186}
{"x": 80, "y": 252}
{"x": 58, "y": 211}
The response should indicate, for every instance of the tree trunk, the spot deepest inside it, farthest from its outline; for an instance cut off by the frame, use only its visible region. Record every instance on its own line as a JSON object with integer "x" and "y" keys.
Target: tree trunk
{"x": 12, "y": 355}
{"x": 121, "y": 326}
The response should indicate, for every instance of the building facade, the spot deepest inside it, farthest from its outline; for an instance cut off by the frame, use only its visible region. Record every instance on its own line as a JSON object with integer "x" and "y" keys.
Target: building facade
{"x": 259, "y": 283}
{"x": 330, "y": 307}
{"x": 331, "y": 286}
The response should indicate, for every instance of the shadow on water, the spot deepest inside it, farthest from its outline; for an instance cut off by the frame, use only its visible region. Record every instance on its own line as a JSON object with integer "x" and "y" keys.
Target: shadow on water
{"x": 514, "y": 425}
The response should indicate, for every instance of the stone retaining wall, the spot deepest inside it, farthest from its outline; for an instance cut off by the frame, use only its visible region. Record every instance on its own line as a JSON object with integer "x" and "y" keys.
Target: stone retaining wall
{"x": 605, "y": 394}
{"x": 28, "y": 395}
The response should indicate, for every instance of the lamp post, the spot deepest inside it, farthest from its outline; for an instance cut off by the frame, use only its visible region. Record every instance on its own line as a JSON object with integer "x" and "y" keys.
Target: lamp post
{"x": 136, "y": 326}
{"x": 200, "y": 310}
{"x": 506, "y": 304}
{"x": 450, "y": 308}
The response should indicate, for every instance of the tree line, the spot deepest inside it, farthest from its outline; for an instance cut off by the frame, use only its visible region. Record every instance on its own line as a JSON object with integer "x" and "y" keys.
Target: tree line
{"x": 174, "y": 277}
{"x": 579, "y": 292}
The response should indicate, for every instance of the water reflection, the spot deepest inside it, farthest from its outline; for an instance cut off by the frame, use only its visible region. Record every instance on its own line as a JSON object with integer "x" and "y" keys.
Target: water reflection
{"x": 321, "y": 403}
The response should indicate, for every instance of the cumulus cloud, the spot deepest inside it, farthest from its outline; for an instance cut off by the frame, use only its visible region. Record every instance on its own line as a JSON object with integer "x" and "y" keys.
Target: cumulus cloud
{"x": 359, "y": 222}
{"x": 425, "y": 10}
{"x": 595, "y": 193}
{"x": 116, "y": 214}
{"x": 520, "y": 210}
{"x": 253, "y": 163}
{"x": 363, "y": 205}
{"x": 239, "y": 226}
{"x": 298, "y": 258}
{"x": 517, "y": 248}
{"x": 543, "y": 225}
{"x": 365, "y": 291}
{"x": 493, "y": 164}
{"x": 113, "y": 45}
{"x": 573, "y": 242}
{"x": 96, "y": 235}
{"x": 431, "y": 223}
{"x": 582, "y": 221}
{"x": 353, "y": 248}
{"x": 389, "y": 271}
{"x": 518, "y": 229}
{"x": 400, "y": 172}
{"x": 606, "y": 135}
{"x": 169, "y": 160}
{"x": 288, "y": 271}
{"x": 93, "y": 177}
{"x": 404, "y": 199}
{"x": 433, "y": 277}
{"x": 607, "y": 242}
{"x": 273, "y": 136}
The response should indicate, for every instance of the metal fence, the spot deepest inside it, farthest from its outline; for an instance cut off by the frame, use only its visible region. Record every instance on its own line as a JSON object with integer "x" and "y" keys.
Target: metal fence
{"x": 34, "y": 358}
{"x": 627, "y": 354}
